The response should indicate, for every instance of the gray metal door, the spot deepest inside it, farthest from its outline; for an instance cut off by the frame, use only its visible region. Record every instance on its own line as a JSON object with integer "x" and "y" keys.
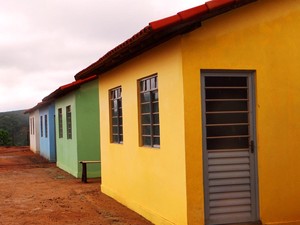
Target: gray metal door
{"x": 230, "y": 175}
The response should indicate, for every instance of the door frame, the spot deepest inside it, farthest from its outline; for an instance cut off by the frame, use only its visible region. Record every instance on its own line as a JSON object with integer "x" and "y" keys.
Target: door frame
{"x": 251, "y": 74}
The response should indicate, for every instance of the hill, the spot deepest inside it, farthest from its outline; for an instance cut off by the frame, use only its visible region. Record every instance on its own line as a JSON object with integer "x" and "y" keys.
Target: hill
{"x": 15, "y": 125}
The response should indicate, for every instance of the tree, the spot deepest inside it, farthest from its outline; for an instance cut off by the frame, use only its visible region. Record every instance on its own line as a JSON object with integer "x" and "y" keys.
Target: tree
{"x": 4, "y": 138}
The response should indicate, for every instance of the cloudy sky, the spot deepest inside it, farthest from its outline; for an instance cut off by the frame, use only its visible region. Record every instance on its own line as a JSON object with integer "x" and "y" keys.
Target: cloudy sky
{"x": 44, "y": 43}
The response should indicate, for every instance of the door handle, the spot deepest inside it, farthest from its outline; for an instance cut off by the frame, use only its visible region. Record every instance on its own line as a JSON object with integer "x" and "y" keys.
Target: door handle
{"x": 252, "y": 146}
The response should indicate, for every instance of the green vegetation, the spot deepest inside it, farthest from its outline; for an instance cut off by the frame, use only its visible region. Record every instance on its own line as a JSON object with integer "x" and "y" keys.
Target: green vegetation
{"x": 14, "y": 128}
{"x": 4, "y": 138}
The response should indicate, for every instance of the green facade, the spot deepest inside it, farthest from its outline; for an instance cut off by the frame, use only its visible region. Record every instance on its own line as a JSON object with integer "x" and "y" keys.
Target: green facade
{"x": 84, "y": 144}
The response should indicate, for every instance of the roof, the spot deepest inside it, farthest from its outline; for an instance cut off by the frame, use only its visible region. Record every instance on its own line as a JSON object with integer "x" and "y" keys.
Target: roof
{"x": 62, "y": 90}
{"x": 158, "y": 32}
{"x": 65, "y": 89}
{"x": 38, "y": 106}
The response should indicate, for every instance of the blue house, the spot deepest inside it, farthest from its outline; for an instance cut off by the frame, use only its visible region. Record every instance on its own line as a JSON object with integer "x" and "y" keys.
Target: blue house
{"x": 45, "y": 112}
{"x": 47, "y": 132}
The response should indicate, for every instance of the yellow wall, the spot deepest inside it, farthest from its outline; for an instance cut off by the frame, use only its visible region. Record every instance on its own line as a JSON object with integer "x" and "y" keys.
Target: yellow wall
{"x": 263, "y": 36}
{"x": 149, "y": 181}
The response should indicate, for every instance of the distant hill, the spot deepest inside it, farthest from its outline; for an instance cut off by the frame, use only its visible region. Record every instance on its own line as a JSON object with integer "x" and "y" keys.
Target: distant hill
{"x": 15, "y": 123}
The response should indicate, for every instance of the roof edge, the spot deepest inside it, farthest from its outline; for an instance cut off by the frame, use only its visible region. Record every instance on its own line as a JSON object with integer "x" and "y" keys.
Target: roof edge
{"x": 157, "y": 32}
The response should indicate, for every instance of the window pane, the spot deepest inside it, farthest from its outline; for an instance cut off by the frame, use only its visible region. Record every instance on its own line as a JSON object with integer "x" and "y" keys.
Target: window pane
{"x": 115, "y": 138}
{"x": 228, "y": 143}
{"x": 115, "y": 129}
{"x": 156, "y": 119}
{"x": 231, "y": 130}
{"x": 153, "y": 83}
{"x": 156, "y": 130}
{"x": 155, "y": 107}
{"x": 142, "y": 85}
{"x": 145, "y": 108}
{"x": 148, "y": 85}
{"x": 226, "y": 118}
{"x": 145, "y": 97}
{"x": 154, "y": 96}
{"x": 147, "y": 141}
{"x": 226, "y": 81}
{"x": 146, "y": 119}
{"x": 146, "y": 130}
{"x": 226, "y": 94}
{"x": 114, "y": 120}
{"x": 156, "y": 141}
{"x": 226, "y": 106}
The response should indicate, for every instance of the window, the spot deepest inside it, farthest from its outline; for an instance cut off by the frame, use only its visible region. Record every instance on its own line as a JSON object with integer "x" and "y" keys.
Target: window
{"x": 46, "y": 126}
{"x": 41, "y": 124}
{"x": 32, "y": 125}
{"x": 60, "y": 124}
{"x": 149, "y": 112}
{"x": 69, "y": 122}
{"x": 116, "y": 115}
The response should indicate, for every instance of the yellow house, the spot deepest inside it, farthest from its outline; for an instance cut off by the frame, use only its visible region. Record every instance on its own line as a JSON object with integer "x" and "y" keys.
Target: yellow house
{"x": 200, "y": 115}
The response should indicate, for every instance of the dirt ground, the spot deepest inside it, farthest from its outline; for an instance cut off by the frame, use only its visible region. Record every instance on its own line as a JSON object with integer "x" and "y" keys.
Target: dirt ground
{"x": 34, "y": 191}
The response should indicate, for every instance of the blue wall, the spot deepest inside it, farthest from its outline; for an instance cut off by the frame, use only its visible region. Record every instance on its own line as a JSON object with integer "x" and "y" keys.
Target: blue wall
{"x": 47, "y": 144}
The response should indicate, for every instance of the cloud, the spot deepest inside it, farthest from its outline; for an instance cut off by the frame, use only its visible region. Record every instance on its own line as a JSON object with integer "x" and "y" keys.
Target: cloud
{"x": 43, "y": 44}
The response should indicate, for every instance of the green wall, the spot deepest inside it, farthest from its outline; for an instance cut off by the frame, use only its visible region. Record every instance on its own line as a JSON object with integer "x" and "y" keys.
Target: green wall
{"x": 88, "y": 134}
{"x": 66, "y": 151}
{"x": 85, "y": 144}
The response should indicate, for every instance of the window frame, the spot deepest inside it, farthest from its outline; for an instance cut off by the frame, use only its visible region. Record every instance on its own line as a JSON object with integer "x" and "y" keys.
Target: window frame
{"x": 69, "y": 121}
{"x": 46, "y": 125}
{"x": 148, "y": 88}
{"x": 32, "y": 125}
{"x": 116, "y": 121}
{"x": 41, "y": 126}
{"x": 60, "y": 122}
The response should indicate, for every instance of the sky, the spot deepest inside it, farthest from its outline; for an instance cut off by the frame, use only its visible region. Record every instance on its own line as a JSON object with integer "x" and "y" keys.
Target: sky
{"x": 45, "y": 43}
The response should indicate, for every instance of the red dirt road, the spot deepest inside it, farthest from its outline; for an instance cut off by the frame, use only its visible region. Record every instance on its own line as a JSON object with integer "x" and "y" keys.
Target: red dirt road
{"x": 34, "y": 191}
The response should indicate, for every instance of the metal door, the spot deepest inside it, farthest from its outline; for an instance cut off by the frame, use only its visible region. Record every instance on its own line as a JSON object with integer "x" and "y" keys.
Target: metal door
{"x": 230, "y": 174}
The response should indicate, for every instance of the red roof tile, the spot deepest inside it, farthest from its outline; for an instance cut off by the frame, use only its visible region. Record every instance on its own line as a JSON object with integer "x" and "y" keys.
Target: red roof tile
{"x": 190, "y": 13}
{"x": 215, "y": 4}
{"x": 156, "y": 25}
{"x": 158, "y": 32}
{"x": 62, "y": 90}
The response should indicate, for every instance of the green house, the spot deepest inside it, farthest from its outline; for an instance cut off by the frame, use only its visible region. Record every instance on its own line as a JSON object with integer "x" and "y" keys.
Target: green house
{"x": 77, "y": 126}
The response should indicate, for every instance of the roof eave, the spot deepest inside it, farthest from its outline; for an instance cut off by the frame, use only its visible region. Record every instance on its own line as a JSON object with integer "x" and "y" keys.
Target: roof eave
{"x": 159, "y": 32}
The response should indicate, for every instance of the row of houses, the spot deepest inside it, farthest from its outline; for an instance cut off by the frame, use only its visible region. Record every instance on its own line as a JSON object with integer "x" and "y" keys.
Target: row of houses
{"x": 64, "y": 127}
{"x": 196, "y": 118}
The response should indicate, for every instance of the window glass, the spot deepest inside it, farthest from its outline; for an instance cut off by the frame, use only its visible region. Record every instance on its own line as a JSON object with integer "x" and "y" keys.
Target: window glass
{"x": 41, "y": 124}
{"x": 116, "y": 116}
{"x": 149, "y": 112}
{"x": 69, "y": 122}
{"x": 46, "y": 126}
{"x": 60, "y": 124}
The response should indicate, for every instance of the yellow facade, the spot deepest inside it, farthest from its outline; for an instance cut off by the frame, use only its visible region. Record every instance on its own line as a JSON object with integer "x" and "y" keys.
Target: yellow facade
{"x": 263, "y": 36}
{"x": 166, "y": 185}
{"x": 148, "y": 180}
